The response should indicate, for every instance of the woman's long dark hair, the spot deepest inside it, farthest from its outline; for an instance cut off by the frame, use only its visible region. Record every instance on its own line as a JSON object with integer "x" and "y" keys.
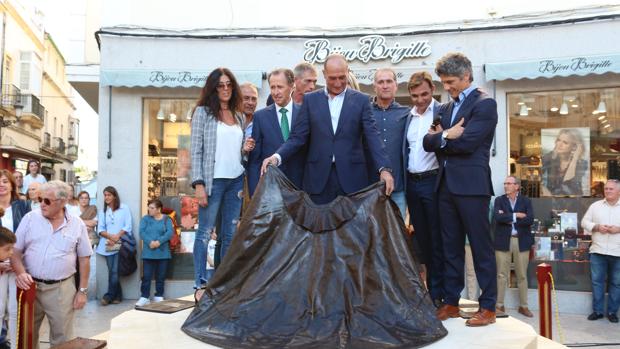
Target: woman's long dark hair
{"x": 208, "y": 95}
{"x": 116, "y": 203}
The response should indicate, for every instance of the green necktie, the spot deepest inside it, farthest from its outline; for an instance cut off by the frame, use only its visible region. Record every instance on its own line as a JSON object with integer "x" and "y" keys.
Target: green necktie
{"x": 284, "y": 123}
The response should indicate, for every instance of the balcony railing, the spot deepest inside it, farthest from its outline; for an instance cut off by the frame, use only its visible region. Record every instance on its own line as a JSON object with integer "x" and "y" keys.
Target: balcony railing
{"x": 72, "y": 151}
{"x": 59, "y": 145}
{"x": 11, "y": 95}
{"x": 33, "y": 106}
{"x": 47, "y": 140}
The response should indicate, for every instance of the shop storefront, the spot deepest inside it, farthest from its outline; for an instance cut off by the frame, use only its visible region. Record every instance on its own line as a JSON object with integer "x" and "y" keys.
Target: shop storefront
{"x": 150, "y": 80}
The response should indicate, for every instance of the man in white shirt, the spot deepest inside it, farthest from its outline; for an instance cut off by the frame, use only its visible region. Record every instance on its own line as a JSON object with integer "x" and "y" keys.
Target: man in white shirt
{"x": 421, "y": 170}
{"x": 603, "y": 220}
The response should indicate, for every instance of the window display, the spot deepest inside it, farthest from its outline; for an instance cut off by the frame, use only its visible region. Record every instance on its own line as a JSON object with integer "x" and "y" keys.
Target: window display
{"x": 563, "y": 147}
{"x": 168, "y": 173}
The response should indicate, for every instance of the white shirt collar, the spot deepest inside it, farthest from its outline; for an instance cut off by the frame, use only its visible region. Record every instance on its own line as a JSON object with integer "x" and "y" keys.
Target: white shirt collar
{"x": 288, "y": 107}
{"x": 430, "y": 108}
{"x": 340, "y": 95}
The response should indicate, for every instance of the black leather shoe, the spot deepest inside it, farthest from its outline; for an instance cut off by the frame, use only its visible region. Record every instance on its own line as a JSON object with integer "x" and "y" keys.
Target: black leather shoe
{"x": 612, "y": 318}
{"x": 595, "y": 316}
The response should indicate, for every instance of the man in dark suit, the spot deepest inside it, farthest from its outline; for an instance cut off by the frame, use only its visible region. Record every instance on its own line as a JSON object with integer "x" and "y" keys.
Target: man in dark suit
{"x": 462, "y": 142}
{"x": 420, "y": 173}
{"x": 272, "y": 128}
{"x": 514, "y": 217}
{"x": 332, "y": 123}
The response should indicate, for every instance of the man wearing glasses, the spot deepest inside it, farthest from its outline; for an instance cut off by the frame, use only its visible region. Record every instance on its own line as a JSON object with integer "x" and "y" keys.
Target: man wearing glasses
{"x": 48, "y": 243}
{"x": 514, "y": 216}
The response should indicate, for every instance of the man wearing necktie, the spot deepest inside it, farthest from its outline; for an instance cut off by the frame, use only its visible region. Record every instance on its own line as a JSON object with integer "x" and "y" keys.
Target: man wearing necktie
{"x": 332, "y": 123}
{"x": 462, "y": 143}
{"x": 272, "y": 127}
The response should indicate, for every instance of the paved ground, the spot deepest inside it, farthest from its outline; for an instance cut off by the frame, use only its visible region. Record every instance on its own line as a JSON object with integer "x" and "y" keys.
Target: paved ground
{"x": 94, "y": 322}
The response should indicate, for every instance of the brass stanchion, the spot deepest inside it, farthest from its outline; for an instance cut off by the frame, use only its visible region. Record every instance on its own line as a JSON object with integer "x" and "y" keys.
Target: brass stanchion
{"x": 25, "y": 317}
{"x": 543, "y": 273}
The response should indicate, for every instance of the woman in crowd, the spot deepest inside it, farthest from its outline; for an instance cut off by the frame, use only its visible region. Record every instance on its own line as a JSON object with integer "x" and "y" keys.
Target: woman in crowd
{"x": 14, "y": 210}
{"x": 155, "y": 232}
{"x": 33, "y": 175}
{"x": 217, "y": 167}
{"x": 564, "y": 168}
{"x": 114, "y": 221}
{"x": 73, "y": 206}
{"x": 88, "y": 213}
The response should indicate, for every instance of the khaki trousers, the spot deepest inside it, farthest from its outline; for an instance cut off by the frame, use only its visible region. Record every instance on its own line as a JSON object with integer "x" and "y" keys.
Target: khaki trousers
{"x": 56, "y": 302}
{"x": 503, "y": 260}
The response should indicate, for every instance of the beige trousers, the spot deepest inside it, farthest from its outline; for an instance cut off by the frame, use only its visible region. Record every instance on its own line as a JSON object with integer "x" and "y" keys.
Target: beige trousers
{"x": 56, "y": 302}
{"x": 503, "y": 260}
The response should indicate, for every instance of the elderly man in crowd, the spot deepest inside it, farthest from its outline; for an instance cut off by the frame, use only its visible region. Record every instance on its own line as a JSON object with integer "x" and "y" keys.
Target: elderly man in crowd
{"x": 305, "y": 81}
{"x": 603, "y": 220}
{"x": 49, "y": 242}
{"x": 249, "y": 101}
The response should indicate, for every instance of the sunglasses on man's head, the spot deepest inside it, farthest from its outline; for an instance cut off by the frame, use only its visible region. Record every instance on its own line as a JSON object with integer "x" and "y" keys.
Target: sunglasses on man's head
{"x": 46, "y": 200}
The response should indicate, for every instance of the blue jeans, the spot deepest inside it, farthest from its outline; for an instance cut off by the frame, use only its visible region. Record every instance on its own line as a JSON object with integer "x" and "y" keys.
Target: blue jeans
{"x": 605, "y": 267}
{"x": 226, "y": 195}
{"x": 158, "y": 267}
{"x": 114, "y": 283}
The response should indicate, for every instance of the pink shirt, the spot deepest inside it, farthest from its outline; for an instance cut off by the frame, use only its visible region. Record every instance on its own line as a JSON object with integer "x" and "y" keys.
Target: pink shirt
{"x": 50, "y": 254}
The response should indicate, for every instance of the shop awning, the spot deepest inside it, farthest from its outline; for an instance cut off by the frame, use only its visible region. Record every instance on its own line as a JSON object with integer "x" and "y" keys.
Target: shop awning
{"x": 553, "y": 67}
{"x": 28, "y": 154}
{"x": 169, "y": 78}
{"x": 366, "y": 76}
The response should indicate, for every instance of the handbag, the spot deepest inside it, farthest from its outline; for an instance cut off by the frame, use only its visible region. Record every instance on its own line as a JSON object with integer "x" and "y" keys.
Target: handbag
{"x": 127, "y": 263}
{"x": 113, "y": 248}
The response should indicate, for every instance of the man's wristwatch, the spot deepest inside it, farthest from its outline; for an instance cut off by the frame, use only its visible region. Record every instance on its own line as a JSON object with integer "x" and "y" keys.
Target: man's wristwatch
{"x": 385, "y": 169}
{"x": 444, "y": 134}
{"x": 83, "y": 290}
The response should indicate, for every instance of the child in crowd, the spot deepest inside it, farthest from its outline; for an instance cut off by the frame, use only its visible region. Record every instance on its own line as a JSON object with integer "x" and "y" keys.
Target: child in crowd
{"x": 7, "y": 240}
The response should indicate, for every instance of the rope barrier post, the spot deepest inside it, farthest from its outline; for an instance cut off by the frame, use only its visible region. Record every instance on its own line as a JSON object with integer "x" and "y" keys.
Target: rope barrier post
{"x": 543, "y": 274}
{"x": 25, "y": 317}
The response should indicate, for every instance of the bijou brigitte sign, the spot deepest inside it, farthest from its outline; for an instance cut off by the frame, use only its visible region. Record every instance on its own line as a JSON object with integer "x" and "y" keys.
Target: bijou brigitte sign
{"x": 372, "y": 47}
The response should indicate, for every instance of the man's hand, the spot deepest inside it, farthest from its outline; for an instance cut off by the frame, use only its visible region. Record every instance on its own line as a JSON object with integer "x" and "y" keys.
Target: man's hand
{"x": 614, "y": 229}
{"x": 435, "y": 130}
{"x": 79, "y": 300}
{"x": 603, "y": 228}
{"x": 386, "y": 176}
{"x": 249, "y": 145}
{"x": 213, "y": 235}
{"x": 456, "y": 131}
{"x": 520, "y": 215}
{"x": 272, "y": 160}
{"x": 23, "y": 281}
{"x": 201, "y": 195}
{"x": 5, "y": 267}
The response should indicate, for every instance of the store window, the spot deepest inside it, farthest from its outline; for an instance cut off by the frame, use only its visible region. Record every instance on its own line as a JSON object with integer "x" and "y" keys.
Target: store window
{"x": 563, "y": 147}
{"x": 169, "y": 173}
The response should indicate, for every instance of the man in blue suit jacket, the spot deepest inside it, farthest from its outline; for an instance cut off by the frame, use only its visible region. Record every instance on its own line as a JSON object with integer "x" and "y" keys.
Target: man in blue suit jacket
{"x": 268, "y": 131}
{"x": 462, "y": 143}
{"x": 514, "y": 217}
{"x": 332, "y": 123}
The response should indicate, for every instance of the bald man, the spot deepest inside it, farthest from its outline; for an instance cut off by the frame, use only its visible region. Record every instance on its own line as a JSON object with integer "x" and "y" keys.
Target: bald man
{"x": 332, "y": 122}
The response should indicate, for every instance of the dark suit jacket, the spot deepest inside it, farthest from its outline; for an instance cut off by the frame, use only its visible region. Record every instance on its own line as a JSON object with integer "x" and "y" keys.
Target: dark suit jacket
{"x": 405, "y": 148}
{"x": 503, "y": 223}
{"x": 267, "y": 134}
{"x": 464, "y": 162}
{"x": 314, "y": 128}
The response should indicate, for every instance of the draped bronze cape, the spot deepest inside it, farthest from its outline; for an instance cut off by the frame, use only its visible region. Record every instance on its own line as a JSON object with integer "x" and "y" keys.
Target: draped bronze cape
{"x": 300, "y": 275}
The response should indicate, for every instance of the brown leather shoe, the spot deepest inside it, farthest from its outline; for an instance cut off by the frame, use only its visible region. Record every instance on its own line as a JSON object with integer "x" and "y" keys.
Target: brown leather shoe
{"x": 501, "y": 308}
{"x": 482, "y": 318}
{"x": 525, "y": 312}
{"x": 447, "y": 311}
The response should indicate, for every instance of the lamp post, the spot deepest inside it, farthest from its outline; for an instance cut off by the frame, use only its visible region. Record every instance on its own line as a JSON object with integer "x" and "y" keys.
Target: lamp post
{"x": 7, "y": 120}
